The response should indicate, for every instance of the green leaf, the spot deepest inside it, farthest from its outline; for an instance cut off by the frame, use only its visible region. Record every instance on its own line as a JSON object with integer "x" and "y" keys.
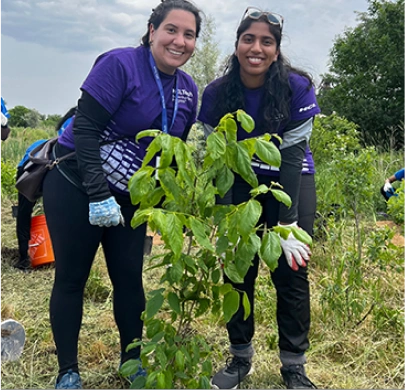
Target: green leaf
{"x": 231, "y": 129}
{"x": 224, "y": 181}
{"x": 246, "y": 121}
{"x": 153, "y": 327}
{"x": 166, "y": 157}
{"x": 153, "y": 305}
{"x": 174, "y": 232}
{"x": 138, "y": 383}
{"x": 232, "y": 273}
{"x": 270, "y": 250}
{"x": 215, "y": 276}
{"x": 174, "y": 302}
{"x": 230, "y": 304}
{"x": 200, "y": 234}
{"x": 268, "y": 153}
{"x": 140, "y": 217}
{"x": 246, "y": 306}
{"x": 216, "y": 145}
{"x": 176, "y": 271}
{"x": 141, "y": 183}
{"x": 203, "y": 306}
{"x": 154, "y": 197}
{"x": 179, "y": 360}
{"x": 129, "y": 367}
{"x": 262, "y": 189}
{"x": 243, "y": 165}
{"x": 161, "y": 381}
{"x": 222, "y": 245}
{"x": 245, "y": 253}
{"x": 301, "y": 235}
{"x": 281, "y": 196}
{"x": 148, "y": 133}
{"x": 248, "y": 216}
{"x": 180, "y": 155}
{"x": 153, "y": 148}
{"x": 169, "y": 184}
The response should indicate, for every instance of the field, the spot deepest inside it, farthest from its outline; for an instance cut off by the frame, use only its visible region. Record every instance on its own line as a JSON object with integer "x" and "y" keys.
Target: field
{"x": 364, "y": 356}
{"x": 357, "y": 285}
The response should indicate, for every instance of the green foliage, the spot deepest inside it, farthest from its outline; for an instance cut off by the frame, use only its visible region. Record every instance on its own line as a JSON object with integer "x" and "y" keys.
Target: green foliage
{"x": 202, "y": 239}
{"x": 333, "y": 136}
{"x": 8, "y": 174}
{"x": 366, "y": 79}
{"x": 395, "y": 205}
{"x": 21, "y": 116}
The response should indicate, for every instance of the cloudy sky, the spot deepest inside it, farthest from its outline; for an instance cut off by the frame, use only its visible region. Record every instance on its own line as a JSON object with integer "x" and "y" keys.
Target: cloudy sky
{"x": 49, "y": 46}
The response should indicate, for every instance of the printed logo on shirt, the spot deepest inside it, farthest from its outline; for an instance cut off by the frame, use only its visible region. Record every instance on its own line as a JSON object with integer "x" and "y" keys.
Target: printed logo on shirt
{"x": 313, "y": 105}
{"x": 184, "y": 96}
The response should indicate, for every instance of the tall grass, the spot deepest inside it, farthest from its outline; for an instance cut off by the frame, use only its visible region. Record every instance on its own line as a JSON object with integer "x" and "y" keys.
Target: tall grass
{"x": 357, "y": 327}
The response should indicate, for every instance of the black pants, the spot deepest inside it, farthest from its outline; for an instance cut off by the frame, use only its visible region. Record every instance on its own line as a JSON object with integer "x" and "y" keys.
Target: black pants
{"x": 23, "y": 222}
{"x": 293, "y": 306}
{"x": 75, "y": 242}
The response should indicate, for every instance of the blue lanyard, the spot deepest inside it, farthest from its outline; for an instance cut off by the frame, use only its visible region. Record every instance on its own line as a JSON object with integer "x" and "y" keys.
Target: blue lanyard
{"x": 162, "y": 96}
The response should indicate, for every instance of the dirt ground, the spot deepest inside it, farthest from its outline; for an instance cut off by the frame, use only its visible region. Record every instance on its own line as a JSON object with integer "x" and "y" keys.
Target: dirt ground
{"x": 398, "y": 239}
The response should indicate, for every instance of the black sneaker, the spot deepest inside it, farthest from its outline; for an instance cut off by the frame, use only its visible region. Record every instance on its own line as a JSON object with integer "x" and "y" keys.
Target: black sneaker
{"x": 294, "y": 377}
{"x": 23, "y": 265}
{"x": 232, "y": 374}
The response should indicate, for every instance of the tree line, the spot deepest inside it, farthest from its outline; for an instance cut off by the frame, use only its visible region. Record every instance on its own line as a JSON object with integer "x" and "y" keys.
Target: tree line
{"x": 364, "y": 82}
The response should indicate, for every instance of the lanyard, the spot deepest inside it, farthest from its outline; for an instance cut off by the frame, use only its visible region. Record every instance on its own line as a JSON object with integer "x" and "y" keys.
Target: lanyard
{"x": 162, "y": 96}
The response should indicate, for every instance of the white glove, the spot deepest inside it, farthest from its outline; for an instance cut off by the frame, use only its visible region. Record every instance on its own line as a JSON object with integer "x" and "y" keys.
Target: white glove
{"x": 296, "y": 252}
{"x": 105, "y": 213}
{"x": 387, "y": 186}
{"x": 4, "y": 120}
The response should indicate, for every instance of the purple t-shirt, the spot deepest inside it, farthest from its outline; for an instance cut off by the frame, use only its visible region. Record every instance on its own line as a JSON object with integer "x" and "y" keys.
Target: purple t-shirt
{"x": 122, "y": 81}
{"x": 303, "y": 106}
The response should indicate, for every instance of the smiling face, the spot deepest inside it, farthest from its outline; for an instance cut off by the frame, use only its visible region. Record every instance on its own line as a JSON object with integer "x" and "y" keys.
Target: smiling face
{"x": 173, "y": 42}
{"x": 256, "y": 50}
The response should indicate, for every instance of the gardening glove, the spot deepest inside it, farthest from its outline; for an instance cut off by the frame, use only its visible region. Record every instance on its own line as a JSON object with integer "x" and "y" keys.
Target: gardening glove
{"x": 296, "y": 252}
{"x": 388, "y": 187}
{"x": 4, "y": 120}
{"x": 105, "y": 213}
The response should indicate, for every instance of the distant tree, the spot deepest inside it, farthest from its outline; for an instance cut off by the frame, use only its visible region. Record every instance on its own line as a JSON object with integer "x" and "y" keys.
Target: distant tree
{"x": 366, "y": 79}
{"x": 21, "y": 116}
{"x": 51, "y": 120}
{"x": 204, "y": 65}
{"x": 17, "y": 116}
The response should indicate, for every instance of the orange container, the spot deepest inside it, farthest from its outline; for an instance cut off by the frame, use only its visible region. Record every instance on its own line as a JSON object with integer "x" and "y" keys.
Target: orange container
{"x": 40, "y": 245}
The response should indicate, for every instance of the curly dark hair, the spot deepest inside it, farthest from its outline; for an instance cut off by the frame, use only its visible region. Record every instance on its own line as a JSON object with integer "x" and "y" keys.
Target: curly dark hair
{"x": 276, "y": 104}
{"x": 160, "y": 12}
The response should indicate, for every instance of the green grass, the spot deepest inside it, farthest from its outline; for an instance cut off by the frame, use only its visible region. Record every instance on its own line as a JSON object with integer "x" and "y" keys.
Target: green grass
{"x": 364, "y": 356}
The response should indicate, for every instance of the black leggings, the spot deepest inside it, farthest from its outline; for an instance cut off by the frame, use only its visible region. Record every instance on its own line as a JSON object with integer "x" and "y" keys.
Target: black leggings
{"x": 23, "y": 224}
{"x": 293, "y": 307}
{"x": 75, "y": 243}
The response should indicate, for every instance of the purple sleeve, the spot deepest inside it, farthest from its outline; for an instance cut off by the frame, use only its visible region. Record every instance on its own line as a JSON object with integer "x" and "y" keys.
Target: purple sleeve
{"x": 107, "y": 82}
{"x": 207, "y": 106}
{"x": 303, "y": 103}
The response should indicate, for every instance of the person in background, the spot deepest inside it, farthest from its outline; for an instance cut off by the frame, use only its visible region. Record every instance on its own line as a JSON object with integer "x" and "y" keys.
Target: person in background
{"x": 281, "y": 99}
{"x": 87, "y": 201}
{"x": 25, "y": 207}
{"x": 387, "y": 190}
{"x": 5, "y": 115}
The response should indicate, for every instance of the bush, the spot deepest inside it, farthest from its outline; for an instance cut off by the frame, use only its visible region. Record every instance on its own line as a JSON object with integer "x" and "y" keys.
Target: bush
{"x": 395, "y": 205}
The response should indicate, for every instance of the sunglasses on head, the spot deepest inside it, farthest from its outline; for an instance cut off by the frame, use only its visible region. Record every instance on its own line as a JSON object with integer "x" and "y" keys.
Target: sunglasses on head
{"x": 272, "y": 18}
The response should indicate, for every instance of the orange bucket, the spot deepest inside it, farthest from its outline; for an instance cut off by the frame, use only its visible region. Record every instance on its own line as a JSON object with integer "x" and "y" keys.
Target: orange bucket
{"x": 40, "y": 245}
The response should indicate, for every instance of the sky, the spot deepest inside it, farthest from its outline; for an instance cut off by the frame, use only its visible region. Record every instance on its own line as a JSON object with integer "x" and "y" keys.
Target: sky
{"x": 49, "y": 46}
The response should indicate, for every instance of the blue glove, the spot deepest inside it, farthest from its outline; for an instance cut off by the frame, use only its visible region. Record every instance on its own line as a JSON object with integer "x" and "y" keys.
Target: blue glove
{"x": 105, "y": 213}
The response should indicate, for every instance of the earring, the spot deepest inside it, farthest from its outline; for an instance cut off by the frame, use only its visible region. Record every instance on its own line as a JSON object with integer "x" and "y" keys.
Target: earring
{"x": 150, "y": 43}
